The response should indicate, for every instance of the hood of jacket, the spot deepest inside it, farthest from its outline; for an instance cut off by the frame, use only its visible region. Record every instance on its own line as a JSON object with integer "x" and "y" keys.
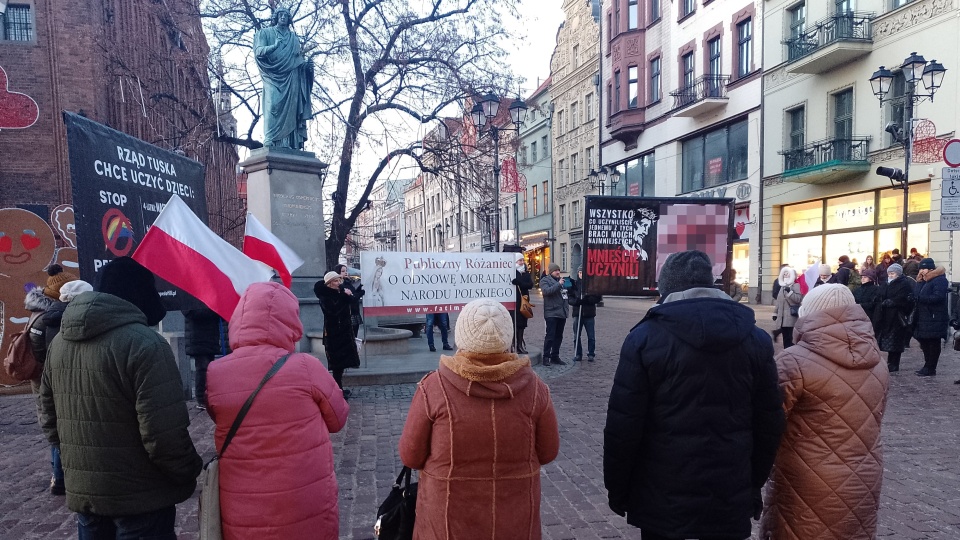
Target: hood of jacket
{"x": 704, "y": 318}
{"x": 94, "y": 313}
{"x": 843, "y": 334}
{"x": 488, "y": 376}
{"x": 268, "y": 314}
{"x": 923, "y": 275}
{"x": 37, "y": 301}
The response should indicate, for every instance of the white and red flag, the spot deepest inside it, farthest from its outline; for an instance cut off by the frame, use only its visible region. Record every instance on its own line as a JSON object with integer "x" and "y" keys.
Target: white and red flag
{"x": 809, "y": 278}
{"x": 182, "y": 250}
{"x": 261, "y": 245}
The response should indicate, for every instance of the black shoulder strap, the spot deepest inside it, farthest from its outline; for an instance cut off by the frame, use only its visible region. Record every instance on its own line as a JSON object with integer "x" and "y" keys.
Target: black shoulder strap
{"x": 246, "y": 406}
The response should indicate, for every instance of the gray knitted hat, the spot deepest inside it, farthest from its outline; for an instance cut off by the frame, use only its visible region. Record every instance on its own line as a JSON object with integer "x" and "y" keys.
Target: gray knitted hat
{"x": 895, "y": 268}
{"x": 685, "y": 270}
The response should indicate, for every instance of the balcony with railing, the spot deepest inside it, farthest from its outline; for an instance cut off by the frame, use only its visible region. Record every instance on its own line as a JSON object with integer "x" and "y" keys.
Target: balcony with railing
{"x": 832, "y": 42}
{"x": 826, "y": 161}
{"x": 707, "y": 94}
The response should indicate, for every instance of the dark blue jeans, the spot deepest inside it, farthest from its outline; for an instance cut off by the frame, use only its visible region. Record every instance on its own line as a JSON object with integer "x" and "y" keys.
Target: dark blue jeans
{"x": 442, "y": 320}
{"x": 553, "y": 338}
{"x": 588, "y": 325}
{"x": 156, "y": 525}
{"x": 56, "y": 464}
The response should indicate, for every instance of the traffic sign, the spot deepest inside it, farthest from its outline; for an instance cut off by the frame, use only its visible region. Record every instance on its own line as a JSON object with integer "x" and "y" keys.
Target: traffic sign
{"x": 950, "y": 187}
{"x": 950, "y": 173}
{"x": 951, "y": 153}
{"x": 950, "y": 222}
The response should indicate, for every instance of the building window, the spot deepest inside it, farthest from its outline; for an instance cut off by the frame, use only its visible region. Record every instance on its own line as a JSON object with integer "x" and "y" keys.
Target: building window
{"x": 713, "y": 66}
{"x": 637, "y": 177}
{"x": 543, "y": 146}
{"x": 17, "y": 23}
{"x": 574, "y": 115}
{"x": 588, "y": 104}
{"x": 533, "y": 152}
{"x": 574, "y": 172}
{"x": 563, "y": 217}
{"x": 575, "y": 56}
{"x": 687, "y": 71}
{"x": 717, "y": 157}
{"x": 546, "y": 208}
{"x": 798, "y": 20}
{"x": 895, "y": 105}
{"x": 562, "y": 172}
{"x": 588, "y": 165}
{"x": 633, "y": 15}
{"x": 560, "y": 122}
{"x": 894, "y": 4}
{"x": 535, "y": 209}
{"x": 609, "y": 100}
{"x": 655, "y": 80}
{"x": 687, "y": 7}
{"x": 577, "y": 218}
{"x": 525, "y": 204}
{"x": 563, "y": 256}
{"x": 843, "y": 124}
{"x": 633, "y": 87}
{"x": 744, "y": 48}
{"x": 797, "y": 123}
{"x": 616, "y": 18}
{"x": 616, "y": 91}
{"x": 654, "y": 10}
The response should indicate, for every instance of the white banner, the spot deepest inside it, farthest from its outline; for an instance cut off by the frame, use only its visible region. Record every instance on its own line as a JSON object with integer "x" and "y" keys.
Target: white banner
{"x": 400, "y": 283}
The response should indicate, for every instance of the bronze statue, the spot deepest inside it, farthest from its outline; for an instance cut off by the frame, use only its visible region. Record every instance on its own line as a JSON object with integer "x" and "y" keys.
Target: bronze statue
{"x": 287, "y": 83}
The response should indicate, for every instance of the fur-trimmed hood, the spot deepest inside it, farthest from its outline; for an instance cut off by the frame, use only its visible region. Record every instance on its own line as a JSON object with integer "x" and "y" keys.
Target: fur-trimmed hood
{"x": 37, "y": 301}
{"x": 928, "y": 275}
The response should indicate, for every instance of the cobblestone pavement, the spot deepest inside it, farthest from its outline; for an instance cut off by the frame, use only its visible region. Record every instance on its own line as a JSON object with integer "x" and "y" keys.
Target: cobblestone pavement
{"x": 921, "y": 491}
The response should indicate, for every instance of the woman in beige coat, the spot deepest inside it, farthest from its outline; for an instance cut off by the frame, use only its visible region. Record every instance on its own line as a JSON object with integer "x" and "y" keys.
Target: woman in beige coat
{"x": 787, "y": 303}
{"x": 829, "y": 468}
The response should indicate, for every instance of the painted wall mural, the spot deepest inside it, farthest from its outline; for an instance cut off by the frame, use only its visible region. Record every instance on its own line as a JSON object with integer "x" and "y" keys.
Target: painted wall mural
{"x": 17, "y": 111}
{"x": 27, "y": 247}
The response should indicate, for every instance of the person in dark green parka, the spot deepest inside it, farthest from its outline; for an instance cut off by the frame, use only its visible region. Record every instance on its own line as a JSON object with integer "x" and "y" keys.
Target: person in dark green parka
{"x": 112, "y": 399}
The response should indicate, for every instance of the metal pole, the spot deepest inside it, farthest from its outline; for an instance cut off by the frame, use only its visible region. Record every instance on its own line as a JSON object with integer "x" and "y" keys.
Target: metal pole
{"x": 907, "y": 150}
{"x": 495, "y": 134}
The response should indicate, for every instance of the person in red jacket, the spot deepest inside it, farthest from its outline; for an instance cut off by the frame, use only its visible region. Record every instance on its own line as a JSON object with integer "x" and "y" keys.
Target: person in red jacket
{"x": 276, "y": 477}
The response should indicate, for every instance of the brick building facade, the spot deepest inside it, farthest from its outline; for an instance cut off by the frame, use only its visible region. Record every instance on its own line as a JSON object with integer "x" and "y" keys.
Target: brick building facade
{"x": 139, "y": 67}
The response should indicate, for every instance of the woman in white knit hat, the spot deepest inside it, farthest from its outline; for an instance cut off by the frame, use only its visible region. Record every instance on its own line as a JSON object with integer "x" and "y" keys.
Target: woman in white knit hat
{"x": 478, "y": 429}
{"x": 829, "y": 468}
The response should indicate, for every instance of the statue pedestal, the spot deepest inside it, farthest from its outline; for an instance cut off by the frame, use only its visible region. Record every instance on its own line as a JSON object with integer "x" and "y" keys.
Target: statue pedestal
{"x": 283, "y": 192}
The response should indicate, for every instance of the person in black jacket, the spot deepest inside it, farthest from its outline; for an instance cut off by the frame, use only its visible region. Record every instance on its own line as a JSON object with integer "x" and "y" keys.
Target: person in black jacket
{"x": 896, "y": 303}
{"x": 341, "y": 349}
{"x": 356, "y": 293}
{"x": 202, "y": 339}
{"x": 932, "y": 318}
{"x": 584, "y": 316}
{"x": 695, "y": 414}
{"x": 867, "y": 295}
{"x": 523, "y": 282}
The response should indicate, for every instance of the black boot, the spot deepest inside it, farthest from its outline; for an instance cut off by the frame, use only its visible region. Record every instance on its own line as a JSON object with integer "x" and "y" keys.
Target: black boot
{"x": 893, "y": 362}
{"x": 521, "y": 346}
{"x": 776, "y": 333}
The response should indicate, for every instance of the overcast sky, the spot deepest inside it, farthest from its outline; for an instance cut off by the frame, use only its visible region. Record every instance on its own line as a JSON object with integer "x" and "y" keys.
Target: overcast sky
{"x": 530, "y": 56}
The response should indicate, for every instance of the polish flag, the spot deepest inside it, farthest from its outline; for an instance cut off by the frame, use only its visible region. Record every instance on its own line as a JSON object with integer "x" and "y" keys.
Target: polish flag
{"x": 809, "y": 278}
{"x": 261, "y": 245}
{"x": 182, "y": 250}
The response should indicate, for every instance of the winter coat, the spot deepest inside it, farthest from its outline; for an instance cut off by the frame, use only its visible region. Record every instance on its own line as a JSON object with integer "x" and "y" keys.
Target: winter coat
{"x": 788, "y": 297}
{"x": 554, "y": 298}
{"x": 892, "y": 336}
{"x": 931, "y": 319}
{"x": 355, "y": 316}
{"x": 112, "y": 399}
{"x": 911, "y": 268}
{"x": 842, "y": 277}
{"x": 201, "y": 332}
{"x": 339, "y": 344}
{"x": 52, "y": 319}
{"x": 775, "y": 290}
{"x": 826, "y": 480}
{"x": 523, "y": 282}
{"x": 478, "y": 429}
{"x": 868, "y": 297}
{"x": 882, "y": 273}
{"x": 582, "y": 303}
{"x": 277, "y": 476}
{"x": 694, "y": 418}
{"x": 37, "y": 303}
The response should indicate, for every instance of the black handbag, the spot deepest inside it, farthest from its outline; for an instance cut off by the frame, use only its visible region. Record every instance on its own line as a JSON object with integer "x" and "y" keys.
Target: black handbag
{"x": 795, "y": 310}
{"x": 398, "y": 511}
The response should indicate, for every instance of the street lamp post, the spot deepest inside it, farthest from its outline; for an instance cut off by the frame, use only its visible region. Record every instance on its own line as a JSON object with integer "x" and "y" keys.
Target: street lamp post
{"x": 439, "y": 230}
{"x": 483, "y": 114}
{"x": 599, "y": 179}
{"x": 915, "y": 69}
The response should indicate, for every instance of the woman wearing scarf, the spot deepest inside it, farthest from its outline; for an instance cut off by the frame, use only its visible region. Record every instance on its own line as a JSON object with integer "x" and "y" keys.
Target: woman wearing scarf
{"x": 786, "y": 305}
{"x": 931, "y": 316}
{"x": 479, "y": 429}
{"x": 896, "y": 303}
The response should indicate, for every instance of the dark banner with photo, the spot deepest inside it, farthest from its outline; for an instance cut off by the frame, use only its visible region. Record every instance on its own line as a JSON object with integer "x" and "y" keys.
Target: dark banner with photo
{"x": 120, "y": 185}
{"x": 628, "y": 239}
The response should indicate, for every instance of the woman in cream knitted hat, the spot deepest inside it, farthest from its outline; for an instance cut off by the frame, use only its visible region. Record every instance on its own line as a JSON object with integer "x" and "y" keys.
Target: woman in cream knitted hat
{"x": 834, "y": 388}
{"x": 478, "y": 429}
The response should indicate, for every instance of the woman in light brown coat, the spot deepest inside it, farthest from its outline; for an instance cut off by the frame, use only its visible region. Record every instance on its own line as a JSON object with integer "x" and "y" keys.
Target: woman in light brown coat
{"x": 829, "y": 468}
{"x": 478, "y": 429}
{"x": 786, "y": 305}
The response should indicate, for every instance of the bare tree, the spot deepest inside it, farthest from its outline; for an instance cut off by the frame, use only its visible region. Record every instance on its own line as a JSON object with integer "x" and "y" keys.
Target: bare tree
{"x": 386, "y": 71}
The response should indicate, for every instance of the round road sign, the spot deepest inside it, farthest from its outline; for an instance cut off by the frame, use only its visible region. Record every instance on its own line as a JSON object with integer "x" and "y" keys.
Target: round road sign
{"x": 951, "y": 153}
